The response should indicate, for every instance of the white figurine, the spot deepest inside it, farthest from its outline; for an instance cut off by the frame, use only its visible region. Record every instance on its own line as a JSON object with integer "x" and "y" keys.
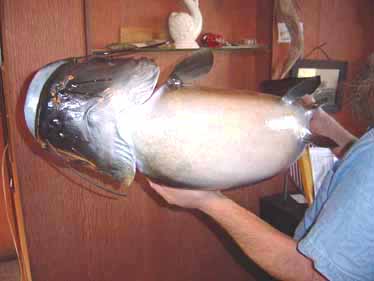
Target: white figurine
{"x": 185, "y": 28}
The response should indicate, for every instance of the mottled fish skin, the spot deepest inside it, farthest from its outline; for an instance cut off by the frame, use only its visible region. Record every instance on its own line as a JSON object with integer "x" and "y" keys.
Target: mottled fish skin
{"x": 217, "y": 139}
{"x": 106, "y": 113}
{"x": 82, "y": 106}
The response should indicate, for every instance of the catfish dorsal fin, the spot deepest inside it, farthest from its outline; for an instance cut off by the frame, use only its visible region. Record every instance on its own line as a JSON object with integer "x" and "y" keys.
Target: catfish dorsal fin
{"x": 191, "y": 68}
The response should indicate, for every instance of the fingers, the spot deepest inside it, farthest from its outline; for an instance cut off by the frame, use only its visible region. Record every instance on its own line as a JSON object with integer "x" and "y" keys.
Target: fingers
{"x": 308, "y": 99}
{"x": 178, "y": 197}
{"x": 154, "y": 185}
{"x": 184, "y": 197}
{"x": 158, "y": 188}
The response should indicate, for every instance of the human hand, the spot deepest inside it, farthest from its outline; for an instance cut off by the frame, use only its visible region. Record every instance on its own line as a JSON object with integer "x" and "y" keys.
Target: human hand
{"x": 192, "y": 199}
{"x": 323, "y": 124}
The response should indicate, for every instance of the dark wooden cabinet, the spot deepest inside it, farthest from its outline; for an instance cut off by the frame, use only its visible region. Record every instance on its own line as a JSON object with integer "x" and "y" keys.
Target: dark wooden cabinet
{"x": 284, "y": 213}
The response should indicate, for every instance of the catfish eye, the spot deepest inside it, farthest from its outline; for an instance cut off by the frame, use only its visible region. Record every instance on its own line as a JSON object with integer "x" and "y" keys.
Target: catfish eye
{"x": 55, "y": 121}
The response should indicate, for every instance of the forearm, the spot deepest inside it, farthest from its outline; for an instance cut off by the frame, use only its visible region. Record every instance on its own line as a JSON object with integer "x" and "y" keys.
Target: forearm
{"x": 322, "y": 123}
{"x": 270, "y": 249}
{"x": 342, "y": 137}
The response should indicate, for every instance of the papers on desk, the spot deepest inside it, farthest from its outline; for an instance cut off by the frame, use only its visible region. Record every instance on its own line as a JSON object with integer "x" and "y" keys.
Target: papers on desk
{"x": 322, "y": 160}
{"x": 299, "y": 198}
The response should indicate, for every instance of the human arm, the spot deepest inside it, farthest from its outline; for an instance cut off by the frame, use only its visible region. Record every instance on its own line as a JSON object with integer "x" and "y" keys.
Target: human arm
{"x": 324, "y": 124}
{"x": 270, "y": 249}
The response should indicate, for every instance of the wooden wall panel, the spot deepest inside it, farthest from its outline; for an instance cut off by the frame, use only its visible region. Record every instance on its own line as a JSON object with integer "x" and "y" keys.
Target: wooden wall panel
{"x": 348, "y": 40}
{"x": 35, "y": 33}
{"x": 264, "y": 36}
{"x": 372, "y": 19}
{"x": 235, "y": 20}
{"x": 7, "y": 249}
{"x": 74, "y": 234}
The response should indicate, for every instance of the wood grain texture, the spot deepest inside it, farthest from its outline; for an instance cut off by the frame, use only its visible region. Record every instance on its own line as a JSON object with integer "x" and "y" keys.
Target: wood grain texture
{"x": 264, "y": 36}
{"x": 346, "y": 28}
{"x": 6, "y": 243}
{"x": 35, "y": 33}
{"x": 74, "y": 234}
{"x": 348, "y": 40}
{"x": 9, "y": 271}
{"x": 7, "y": 249}
{"x": 235, "y": 20}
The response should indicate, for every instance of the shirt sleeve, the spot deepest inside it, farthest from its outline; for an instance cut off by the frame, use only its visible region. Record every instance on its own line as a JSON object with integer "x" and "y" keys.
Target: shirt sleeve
{"x": 341, "y": 241}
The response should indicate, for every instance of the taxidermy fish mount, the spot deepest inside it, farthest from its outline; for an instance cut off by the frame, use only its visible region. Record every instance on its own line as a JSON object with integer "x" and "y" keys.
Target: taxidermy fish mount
{"x": 108, "y": 114}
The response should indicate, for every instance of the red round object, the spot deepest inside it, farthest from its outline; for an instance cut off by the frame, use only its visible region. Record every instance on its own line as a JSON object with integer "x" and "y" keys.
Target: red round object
{"x": 212, "y": 40}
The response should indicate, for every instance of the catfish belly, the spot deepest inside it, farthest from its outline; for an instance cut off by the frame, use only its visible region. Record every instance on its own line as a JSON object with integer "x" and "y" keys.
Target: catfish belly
{"x": 216, "y": 139}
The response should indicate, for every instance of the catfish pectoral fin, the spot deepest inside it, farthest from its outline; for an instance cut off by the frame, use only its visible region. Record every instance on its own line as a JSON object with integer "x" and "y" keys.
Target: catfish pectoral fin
{"x": 123, "y": 169}
{"x": 128, "y": 179}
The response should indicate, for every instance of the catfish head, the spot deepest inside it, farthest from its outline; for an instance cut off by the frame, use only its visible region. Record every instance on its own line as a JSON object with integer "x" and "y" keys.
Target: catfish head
{"x": 74, "y": 108}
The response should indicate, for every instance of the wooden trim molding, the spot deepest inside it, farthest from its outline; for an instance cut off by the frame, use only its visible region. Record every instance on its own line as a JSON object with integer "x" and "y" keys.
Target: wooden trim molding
{"x": 15, "y": 218}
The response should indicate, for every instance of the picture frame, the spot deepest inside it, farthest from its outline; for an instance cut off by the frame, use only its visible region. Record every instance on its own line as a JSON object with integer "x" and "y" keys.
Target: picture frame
{"x": 332, "y": 73}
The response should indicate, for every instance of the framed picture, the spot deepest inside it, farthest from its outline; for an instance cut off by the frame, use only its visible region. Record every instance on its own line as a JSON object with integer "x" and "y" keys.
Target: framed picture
{"x": 332, "y": 73}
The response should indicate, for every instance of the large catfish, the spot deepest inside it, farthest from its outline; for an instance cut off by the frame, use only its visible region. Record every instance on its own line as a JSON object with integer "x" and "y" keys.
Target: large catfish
{"x": 108, "y": 114}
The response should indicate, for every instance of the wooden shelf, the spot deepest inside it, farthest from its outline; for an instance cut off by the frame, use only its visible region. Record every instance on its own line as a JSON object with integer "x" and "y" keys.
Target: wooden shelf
{"x": 252, "y": 49}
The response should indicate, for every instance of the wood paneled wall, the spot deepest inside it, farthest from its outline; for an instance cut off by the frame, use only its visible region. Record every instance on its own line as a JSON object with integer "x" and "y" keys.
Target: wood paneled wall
{"x": 35, "y": 33}
{"x": 235, "y": 20}
{"x": 347, "y": 29}
{"x": 6, "y": 243}
{"x": 74, "y": 234}
{"x": 7, "y": 249}
{"x": 264, "y": 36}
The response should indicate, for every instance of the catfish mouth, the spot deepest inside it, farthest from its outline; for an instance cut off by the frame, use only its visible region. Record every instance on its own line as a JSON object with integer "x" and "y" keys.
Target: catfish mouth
{"x": 34, "y": 92}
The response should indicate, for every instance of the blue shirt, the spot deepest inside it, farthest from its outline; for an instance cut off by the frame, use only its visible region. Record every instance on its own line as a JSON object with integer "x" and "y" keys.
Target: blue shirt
{"x": 337, "y": 232}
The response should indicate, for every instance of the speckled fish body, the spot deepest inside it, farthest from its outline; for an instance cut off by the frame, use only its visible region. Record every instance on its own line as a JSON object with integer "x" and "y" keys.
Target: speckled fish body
{"x": 217, "y": 139}
{"x": 108, "y": 115}
{"x": 74, "y": 108}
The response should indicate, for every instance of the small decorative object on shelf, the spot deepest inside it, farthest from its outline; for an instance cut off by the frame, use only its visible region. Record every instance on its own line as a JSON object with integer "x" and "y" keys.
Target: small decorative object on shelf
{"x": 249, "y": 42}
{"x": 134, "y": 34}
{"x": 212, "y": 40}
{"x": 185, "y": 28}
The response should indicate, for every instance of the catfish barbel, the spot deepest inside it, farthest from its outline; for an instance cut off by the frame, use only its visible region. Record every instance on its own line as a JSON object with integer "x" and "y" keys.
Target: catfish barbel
{"x": 108, "y": 114}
